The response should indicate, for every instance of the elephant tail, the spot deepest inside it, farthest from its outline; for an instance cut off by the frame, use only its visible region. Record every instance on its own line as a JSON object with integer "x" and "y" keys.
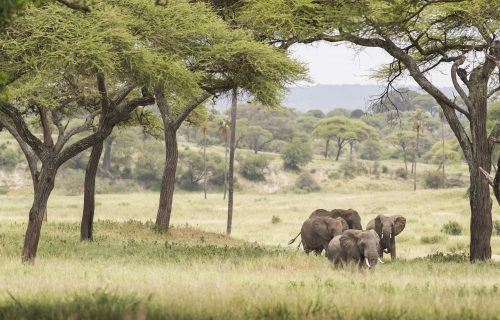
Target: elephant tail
{"x": 293, "y": 240}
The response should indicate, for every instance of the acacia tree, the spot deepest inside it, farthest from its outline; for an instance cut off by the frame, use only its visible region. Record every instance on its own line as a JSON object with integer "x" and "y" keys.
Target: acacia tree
{"x": 343, "y": 130}
{"x": 421, "y": 36}
{"x": 60, "y": 78}
{"x": 404, "y": 140}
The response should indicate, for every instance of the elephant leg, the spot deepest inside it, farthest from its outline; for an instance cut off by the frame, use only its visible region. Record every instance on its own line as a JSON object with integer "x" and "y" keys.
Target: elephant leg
{"x": 393, "y": 248}
{"x": 318, "y": 251}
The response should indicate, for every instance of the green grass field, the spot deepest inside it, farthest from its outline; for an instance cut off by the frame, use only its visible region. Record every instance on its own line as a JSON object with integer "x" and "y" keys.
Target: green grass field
{"x": 132, "y": 272}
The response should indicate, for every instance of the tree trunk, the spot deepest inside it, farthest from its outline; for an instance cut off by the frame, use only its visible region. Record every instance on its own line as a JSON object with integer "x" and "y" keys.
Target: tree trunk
{"x": 415, "y": 162}
{"x": 225, "y": 168}
{"x": 43, "y": 189}
{"x": 168, "y": 179}
{"x": 339, "y": 150}
{"x": 106, "y": 161}
{"x": 350, "y": 148}
{"x": 86, "y": 226}
{"x": 232, "y": 148}
{"x": 480, "y": 200}
{"x": 406, "y": 162}
{"x": 205, "y": 161}
{"x": 444, "y": 154}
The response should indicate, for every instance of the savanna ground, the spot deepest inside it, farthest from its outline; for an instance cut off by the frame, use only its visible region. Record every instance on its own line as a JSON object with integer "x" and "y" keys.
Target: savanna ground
{"x": 132, "y": 272}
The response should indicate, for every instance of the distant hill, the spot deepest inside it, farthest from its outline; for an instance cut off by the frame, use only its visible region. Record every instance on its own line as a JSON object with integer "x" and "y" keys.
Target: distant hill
{"x": 328, "y": 97}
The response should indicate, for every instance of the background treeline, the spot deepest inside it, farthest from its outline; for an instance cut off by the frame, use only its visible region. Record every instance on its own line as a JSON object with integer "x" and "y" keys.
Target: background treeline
{"x": 281, "y": 140}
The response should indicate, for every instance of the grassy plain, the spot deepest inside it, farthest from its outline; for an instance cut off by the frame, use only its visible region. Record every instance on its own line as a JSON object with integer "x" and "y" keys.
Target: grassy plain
{"x": 132, "y": 272}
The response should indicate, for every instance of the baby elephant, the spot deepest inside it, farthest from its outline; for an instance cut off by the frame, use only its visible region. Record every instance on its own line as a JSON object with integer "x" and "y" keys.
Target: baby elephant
{"x": 317, "y": 232}
{"x": 357, "y": 246}
{"x": 387, "y": 228}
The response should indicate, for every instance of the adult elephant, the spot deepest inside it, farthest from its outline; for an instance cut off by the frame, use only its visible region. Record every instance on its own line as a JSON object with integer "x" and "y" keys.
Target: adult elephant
{"x": 316, "y": 232}
{"x": 356, "y": 246}
{"x": 349, "y": 215}
{"x": 387, "y": 228}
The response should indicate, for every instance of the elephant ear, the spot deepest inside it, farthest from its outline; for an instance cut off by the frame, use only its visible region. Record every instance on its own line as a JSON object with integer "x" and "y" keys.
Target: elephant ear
{"x": 378, "y": 224}
{"x": 345, "y": 225}
{"x": 320, "y": 227}
{"x": 399, "y": 224}
{"x": 349, "y": 244}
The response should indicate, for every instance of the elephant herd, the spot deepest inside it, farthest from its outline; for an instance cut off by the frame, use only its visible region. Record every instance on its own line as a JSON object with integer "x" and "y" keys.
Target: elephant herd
{"x": 339, "y": 232}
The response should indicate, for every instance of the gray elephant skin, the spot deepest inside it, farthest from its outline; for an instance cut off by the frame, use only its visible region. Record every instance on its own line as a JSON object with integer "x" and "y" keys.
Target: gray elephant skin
{"x": 316, "y": 232}
{"x": 360, "y": 247}
{"x": 387, "y": 228}
{"x": 349, "y": 215}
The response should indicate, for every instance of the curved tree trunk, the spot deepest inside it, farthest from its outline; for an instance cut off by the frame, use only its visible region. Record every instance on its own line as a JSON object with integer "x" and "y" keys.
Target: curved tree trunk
{"x": 326, "y": 148}
{"x": 86, "y": 226}
{"x": 168, "y": 179}
{"x": 232, "y": 148}
{"x": 339, "y": 150}
{"x": 43, "y": 189}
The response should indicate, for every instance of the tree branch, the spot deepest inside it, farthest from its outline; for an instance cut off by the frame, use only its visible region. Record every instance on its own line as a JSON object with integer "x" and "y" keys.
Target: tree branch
{"x": 190, "y": 107}
{"x": 122, "y": 94}
{"x": 488, "y": 176}
{"x": 22, "y": 128}
{"x": 457, "y": 86}
{"x": 47, "y": 133}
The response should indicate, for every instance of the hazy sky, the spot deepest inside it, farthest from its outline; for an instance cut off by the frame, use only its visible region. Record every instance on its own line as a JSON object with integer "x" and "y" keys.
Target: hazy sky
{"x": 342, "y": 64}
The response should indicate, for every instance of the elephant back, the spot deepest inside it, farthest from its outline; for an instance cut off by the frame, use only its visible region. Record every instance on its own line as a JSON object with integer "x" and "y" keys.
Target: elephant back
{"x": 321, "y": 213}
{"x": 350, "y": 216}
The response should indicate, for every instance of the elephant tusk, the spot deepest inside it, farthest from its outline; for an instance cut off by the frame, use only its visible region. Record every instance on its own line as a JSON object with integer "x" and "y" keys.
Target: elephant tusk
{"x": 390, "y": 235}
{"x": 380, "y": 260}
{"x": 382, "y": 237}
{"x": 386, "y": 250}
{"x": 368, "y": 263}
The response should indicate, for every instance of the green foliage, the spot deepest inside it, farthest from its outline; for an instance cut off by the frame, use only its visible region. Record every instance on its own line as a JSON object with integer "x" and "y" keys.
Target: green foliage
{"x": 306, "y": 182}
{"x": 9, "y": 157}
{"x": 343, "y": 128}
{"x": 252, "y": 167}
{"x": 352, "y": 168}
{"x": 443, "y": 257}
{"x": 385, "y": 169}
{"x": 401, "y": 173}
{"x": 431, "y": 239}
{"x": 496, "y": 227}
{"x": 369, "y": 150}
{"x": 297, "y": 153}
{"x": 452, "y": 228}
{"x": 452, "y": 152}
{"x": 275, "y": 220}
{"x": 433, "y": 179}
{"x": 191, "y": 170}
{"x": 150, "y": 170}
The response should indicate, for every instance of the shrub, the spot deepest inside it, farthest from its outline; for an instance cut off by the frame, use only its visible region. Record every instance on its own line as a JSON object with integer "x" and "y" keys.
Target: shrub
{"x": 496, "y": 227}
{"x": 9, "y": 157}
{"x": 352, "y": 168}
{"x": 401, "y": 173}
{"x": 149, "y": 170}
{"x": 452, "y": 228}
{"x": 369, "y": 150}
{"x": 191, "y": 170}
{"x": 253, "y": 166}
{"x": 431, "y": 239}
{"x": 306, "y": 182}
{"x": 297, "y": 153}
{"x": 448, "y": 257}
{"x": 333, "y": 175}
{"x": 433, "y": 179}
{"x": 385, "y": 169}
{"x": 275, "y": 220}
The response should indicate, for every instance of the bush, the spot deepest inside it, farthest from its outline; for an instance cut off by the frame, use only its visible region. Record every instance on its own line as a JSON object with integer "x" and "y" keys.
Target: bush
{"x": 448, "y": 257}
{"x": 275, "y": 220}
{"x": 297, "y": 153}
{"x": 452, "y": 228}
{"x": 9, "y": 157}
{"x": 253, "y": 166}
{"x": 333, "y": 175}
{"x": 431, "y": 239}
{"x": 433, "y": 179}
{"x": 306, "y": 182}
{"x": 370, "y": 150}
{"x": 401, "y": 173}
{"x": 352, "y": 168}
{"x": 496, "y": 227}
{"x": 191, "y": 170}
{"x": 385, "y": 169}
{"x": 149, "y": 170}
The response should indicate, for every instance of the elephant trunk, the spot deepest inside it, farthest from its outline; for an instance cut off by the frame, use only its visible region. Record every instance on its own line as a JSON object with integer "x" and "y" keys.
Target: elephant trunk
{"x": 385, "y": 237}
{"x": 371, "y": 256}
